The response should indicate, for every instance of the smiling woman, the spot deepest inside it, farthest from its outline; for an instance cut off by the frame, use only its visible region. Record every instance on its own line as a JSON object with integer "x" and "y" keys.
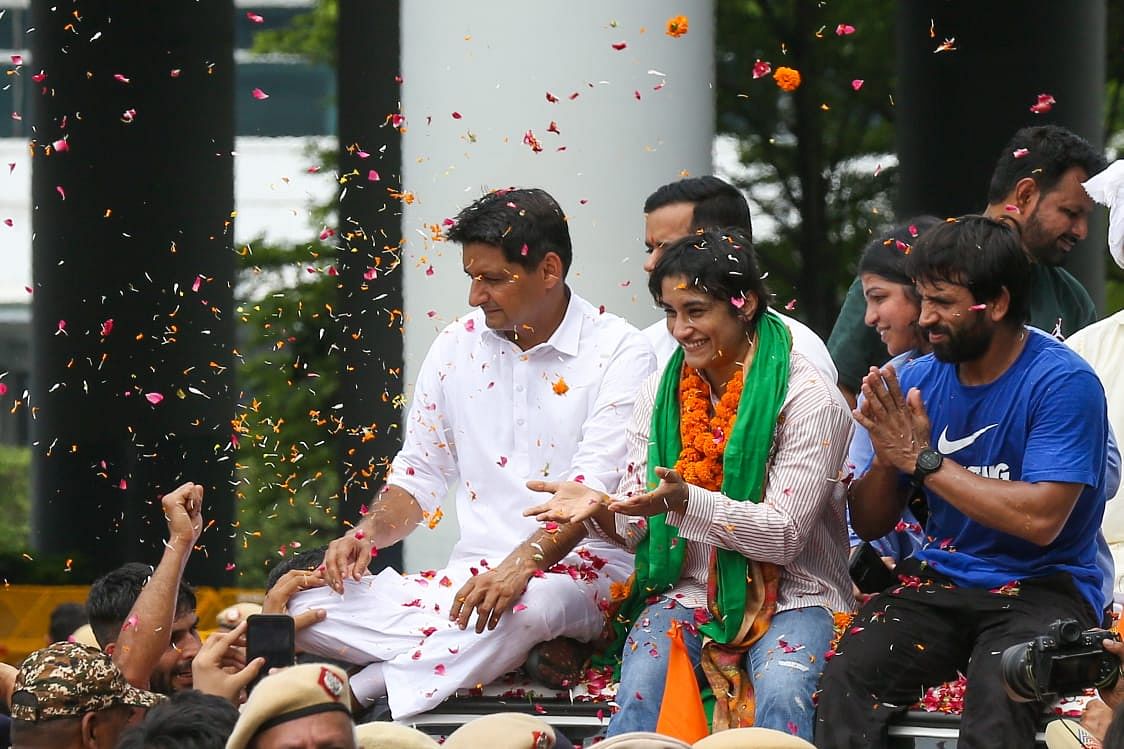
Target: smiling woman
{"x": 732, "y": 505}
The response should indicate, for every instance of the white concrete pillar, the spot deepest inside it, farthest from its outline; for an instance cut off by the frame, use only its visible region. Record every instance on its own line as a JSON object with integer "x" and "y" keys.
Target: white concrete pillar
{"x": 634, "y": 109}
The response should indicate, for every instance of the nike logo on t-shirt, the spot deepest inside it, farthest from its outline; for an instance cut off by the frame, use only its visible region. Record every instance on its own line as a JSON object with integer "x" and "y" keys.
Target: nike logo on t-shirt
{"x": 947, "y": 446}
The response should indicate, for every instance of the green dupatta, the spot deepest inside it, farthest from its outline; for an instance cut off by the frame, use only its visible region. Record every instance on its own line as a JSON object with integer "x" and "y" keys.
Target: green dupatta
{"x": 660, "y": 554}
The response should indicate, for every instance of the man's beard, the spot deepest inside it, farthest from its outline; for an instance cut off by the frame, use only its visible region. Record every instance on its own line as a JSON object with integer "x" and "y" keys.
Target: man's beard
{"x": 966, "y": 344}
{"x": 1044, "y": 248}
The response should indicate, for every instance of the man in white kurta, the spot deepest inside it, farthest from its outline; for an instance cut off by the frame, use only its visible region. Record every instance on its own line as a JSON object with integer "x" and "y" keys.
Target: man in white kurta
{"x": 535, "y": 383}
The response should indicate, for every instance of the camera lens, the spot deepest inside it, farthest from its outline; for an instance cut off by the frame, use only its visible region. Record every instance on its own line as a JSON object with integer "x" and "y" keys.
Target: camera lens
{"x": 1069, "y": 631}
{"x": 1018, "y": 673}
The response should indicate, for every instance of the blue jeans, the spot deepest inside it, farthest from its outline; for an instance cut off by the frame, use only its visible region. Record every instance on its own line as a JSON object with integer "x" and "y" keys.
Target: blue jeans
{"x": 783, "y": 682}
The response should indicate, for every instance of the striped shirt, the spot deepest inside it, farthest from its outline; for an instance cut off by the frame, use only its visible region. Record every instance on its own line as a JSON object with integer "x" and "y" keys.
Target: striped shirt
{"x": 800, "y": 525}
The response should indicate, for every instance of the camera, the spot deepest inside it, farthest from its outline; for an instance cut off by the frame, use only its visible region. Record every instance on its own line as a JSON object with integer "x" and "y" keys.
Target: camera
{"x": 1066, "y": 660}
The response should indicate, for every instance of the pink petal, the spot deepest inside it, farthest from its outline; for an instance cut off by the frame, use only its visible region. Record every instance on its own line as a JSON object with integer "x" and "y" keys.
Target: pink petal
{"x": 17, "y": 59}
{"x": 844, "y": 29}
{"x": 254, "y": 17}
{"x": 857, "y": 83}
{"x": 519, "y": 607}
{"x": 469, "y": 325}
{"x": 198, "y": 282}
{"x": 1019, "y": 153}
{"x": 791, "y": 305}
{"x": 373, "y": 176}
{"x": 153, "y": 398}
{"x": 122, "y": 485}
{"x": 502, "y": 461}
{"x": 737, "y": 301}
{"x": 60, "y": 191}
{"x": 61, "y": 146}
{"x": 120, "y": 78}
{"x": 39, "y": 77}
{"x": 175, "y": 73}
{"x": 229, "y": 566}
{"x": 3, "y": 389}
{"x": 761, "y": 69}
{"x": 8, "y": 222}
{"x": 429, "y": 271}
{"x": 619, "y": 46}
{"x": 258, "y": 94}
{"x": 107, "y": 327}
{"x": 439, "y": 669}
{"x": 1044, "y": 104}
{"x": 370, "y": 274}
{"x": 456, "y": 115}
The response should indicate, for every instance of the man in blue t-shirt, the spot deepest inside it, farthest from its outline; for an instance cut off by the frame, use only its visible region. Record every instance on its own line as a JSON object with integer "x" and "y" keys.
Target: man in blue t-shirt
{"x": 1005, "y": 431}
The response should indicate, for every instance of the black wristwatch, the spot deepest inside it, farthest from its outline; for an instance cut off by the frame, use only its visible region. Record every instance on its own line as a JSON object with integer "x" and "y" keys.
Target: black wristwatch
{"x": 928, "y": 461}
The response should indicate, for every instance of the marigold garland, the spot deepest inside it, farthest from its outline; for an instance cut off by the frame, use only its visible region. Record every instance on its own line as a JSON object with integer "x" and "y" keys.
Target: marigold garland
{"x": 704, "y": 436}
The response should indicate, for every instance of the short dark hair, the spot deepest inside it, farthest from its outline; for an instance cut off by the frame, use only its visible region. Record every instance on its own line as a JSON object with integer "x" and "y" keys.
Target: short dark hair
{"x": 525, "y": 223}
{"x": 65, "y": 618}
{"x": 717, "y": 203}
{"x": 186, "y": 720}
{"x": 306, "y": 560}
{"x": 885, "y": 254}
{"x": 1050, "y": 151}
{"x": 977, "y": 252}
{"x": 112, "y": 596}
{"x": 718, "y": 262}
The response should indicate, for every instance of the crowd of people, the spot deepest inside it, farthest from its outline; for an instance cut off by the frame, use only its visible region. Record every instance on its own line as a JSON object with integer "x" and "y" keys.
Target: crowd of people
{"x": 682, "y": 502}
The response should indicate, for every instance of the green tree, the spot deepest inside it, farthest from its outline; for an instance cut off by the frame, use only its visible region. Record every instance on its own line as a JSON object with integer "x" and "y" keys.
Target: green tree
{"x": 812, "y": 154}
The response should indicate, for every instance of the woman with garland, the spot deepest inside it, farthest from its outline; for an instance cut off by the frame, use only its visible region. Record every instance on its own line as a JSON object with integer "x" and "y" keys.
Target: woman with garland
{"x": 733, "y": 503}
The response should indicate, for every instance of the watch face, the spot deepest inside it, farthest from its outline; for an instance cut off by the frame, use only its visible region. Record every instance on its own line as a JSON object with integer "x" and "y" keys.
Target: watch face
{"x": 929, "y": 460}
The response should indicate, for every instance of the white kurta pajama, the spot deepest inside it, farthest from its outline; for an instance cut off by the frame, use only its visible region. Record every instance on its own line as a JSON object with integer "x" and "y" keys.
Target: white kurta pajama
{"x": 489, "y": 417}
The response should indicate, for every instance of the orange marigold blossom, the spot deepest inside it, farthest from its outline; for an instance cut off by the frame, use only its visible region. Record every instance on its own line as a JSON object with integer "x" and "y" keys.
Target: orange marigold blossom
{"x": 788, "y": 79}
{"x": 676, "y": 26}
{"x": 704, "y": 436}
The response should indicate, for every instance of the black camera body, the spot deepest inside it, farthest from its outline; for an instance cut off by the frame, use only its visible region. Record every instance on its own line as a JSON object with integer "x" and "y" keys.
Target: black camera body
{"x": 1066, "y": 660}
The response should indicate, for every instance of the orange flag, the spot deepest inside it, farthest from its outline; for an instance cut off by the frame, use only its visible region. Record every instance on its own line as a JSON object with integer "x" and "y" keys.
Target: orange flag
{"x": 681, "y": 713}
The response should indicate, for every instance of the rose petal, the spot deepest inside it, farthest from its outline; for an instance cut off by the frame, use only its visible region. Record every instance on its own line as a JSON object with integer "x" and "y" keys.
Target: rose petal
{"x": 153, "y": 398}
{"x": 258, "y": 94}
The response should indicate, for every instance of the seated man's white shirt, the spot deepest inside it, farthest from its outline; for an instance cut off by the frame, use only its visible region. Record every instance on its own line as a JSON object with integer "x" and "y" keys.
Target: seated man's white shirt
{"x": 490, "y": 417}
{"x": 804, "y": 340}
{"x": 1102, "y": 345}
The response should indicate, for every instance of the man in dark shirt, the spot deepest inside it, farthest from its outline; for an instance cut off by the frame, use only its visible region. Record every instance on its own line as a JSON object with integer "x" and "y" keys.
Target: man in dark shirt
{"x": 1037, "y": 185}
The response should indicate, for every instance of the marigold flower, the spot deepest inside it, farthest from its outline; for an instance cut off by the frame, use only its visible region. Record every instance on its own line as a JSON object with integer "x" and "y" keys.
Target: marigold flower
{"x": 676, "y": 26}
{"x": 788, "y": 79}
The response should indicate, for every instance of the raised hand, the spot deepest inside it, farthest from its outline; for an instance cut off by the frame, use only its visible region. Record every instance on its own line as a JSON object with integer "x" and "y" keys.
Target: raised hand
{"x": 293, "y": 581}
{"x": 183, "y": 510}
{"x": 210, "y": 670}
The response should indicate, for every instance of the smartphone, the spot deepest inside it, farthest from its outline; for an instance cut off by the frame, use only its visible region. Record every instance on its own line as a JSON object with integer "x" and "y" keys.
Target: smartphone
{"x": 270, "y": 636}
{"x": 869, "y": 573}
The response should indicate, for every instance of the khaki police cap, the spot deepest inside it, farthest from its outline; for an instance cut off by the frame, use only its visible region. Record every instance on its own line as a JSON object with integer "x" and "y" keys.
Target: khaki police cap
{"x": 642, "y": 740}
{"x": 503, "y": 731}
{"x": 289, "y": 694}
{"x": 751, "y": 738}
{"x": 392, "y": 736}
